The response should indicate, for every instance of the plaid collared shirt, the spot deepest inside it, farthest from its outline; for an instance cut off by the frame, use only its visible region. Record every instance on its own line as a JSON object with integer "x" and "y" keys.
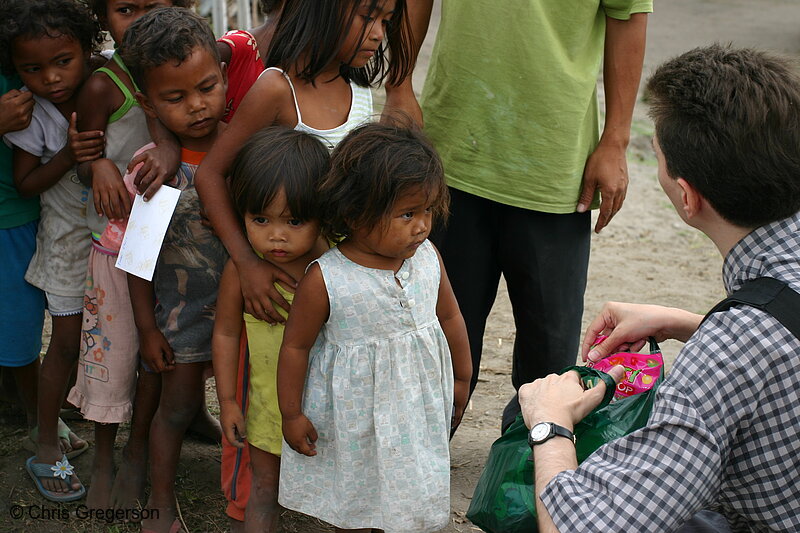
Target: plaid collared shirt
{"x": 724, "y": 433}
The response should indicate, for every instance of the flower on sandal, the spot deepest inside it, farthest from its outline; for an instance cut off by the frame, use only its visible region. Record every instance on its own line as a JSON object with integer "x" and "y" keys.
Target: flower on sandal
{"x": 62, "y": 469}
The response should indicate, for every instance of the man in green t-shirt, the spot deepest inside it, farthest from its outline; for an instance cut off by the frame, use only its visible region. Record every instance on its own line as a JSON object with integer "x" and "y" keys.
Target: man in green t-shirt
{"x": 510, "y": 103}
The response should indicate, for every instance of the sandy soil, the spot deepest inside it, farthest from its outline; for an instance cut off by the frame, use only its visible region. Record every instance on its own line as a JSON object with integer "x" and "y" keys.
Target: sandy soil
{"x": 645, "y": 255}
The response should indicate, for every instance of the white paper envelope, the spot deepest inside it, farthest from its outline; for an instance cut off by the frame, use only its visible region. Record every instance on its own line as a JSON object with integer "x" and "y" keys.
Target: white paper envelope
{"x": 144, "y": 236}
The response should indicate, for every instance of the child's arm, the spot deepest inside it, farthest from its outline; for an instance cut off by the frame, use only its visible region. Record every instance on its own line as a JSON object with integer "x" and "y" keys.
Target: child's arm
{"x": 456, "y": 333}
{"x": 400, "y": 99}
{"x": 257, "y": 277}
{"x": 159, "y": 164}
{"x": 309, "y": 312}
{"x": 85, "y": 145}
{"x": 153, "y": 347}
{"x": 225, "y": 354}
{"x": 31, "y": 177}
{"x": 94, "y": 108}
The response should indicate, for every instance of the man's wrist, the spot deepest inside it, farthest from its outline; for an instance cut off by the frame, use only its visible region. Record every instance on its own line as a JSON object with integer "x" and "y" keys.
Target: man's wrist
{"x": 542, "y": 432}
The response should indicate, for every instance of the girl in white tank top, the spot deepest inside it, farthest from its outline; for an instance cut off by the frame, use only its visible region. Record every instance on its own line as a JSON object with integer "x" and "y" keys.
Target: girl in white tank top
{"x": 322, "y": 61}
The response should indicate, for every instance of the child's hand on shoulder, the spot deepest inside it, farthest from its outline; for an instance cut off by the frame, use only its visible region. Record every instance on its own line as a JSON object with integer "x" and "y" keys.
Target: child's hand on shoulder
{"x": 300, "y": 434}
{"x": 257, "y": 278}
{"x": 159, "y": 165}
{"x": 156, "y": 351}
{"x": 84, "y": 146}
{"x": 111, "y": 198}
{"x": 232, "y": 421}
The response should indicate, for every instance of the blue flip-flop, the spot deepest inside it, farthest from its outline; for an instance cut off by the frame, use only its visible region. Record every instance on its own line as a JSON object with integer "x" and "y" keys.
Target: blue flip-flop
{"x": 61, "y": 469}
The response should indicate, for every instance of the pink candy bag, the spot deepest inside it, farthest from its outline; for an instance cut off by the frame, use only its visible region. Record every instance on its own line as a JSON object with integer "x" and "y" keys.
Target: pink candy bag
{"x": 641, "y": 370}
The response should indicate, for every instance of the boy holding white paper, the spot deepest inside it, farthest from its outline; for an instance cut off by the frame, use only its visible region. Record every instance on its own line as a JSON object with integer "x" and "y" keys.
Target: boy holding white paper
{"x": 173, "y": 58}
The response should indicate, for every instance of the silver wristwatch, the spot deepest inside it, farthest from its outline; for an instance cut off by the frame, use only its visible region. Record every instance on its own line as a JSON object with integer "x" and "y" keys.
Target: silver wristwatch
{"x": 544, "y": 431}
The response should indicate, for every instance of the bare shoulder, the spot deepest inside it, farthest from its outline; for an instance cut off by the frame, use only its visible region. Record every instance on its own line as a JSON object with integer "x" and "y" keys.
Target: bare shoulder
{"x": 100, "y": 90}
{"x": 269, "y": 100}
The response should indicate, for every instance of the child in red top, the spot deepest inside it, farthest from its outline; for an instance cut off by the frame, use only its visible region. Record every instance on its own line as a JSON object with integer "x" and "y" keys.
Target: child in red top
{"x": 241, "y": 50}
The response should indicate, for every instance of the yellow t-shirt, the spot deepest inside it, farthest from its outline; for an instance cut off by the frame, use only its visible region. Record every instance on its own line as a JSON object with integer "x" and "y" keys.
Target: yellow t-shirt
{"x": 263, "y": 416}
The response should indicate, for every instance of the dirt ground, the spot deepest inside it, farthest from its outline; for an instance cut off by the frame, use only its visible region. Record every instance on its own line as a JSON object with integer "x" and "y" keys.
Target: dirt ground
{"x": 645, "y": 255}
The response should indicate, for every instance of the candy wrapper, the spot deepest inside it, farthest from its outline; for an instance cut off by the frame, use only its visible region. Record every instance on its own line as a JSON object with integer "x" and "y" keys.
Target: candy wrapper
{"x": 641, "y": 370}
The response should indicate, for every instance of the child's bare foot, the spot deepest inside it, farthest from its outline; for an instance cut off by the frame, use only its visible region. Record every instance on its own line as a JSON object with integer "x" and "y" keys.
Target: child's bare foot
{"x": 98, "y": 495}
{"x": 129, "y": 485}
{"x": 206, "y": 426}
{"x": 237, "y": 526}
{"x": 166, "y": 521}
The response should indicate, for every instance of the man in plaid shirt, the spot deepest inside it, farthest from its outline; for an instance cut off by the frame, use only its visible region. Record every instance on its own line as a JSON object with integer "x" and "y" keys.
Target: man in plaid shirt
{"x": 724, "y": 433}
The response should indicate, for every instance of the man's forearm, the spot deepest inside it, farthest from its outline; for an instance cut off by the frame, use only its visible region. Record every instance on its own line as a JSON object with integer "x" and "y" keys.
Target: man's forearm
{"x": 552, "y": 457}
{"x": 622, "y": 71}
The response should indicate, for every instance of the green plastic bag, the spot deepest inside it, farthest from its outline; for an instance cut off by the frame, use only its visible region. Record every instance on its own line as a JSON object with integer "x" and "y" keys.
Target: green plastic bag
{"x": 503, "y": 501}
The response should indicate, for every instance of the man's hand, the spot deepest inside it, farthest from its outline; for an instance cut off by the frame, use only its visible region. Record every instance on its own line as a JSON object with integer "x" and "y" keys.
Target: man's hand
{"x": 629, "y": 325}
{"x": 561, "y": 398}
{"x": 16, "y": 108}
{"x": 156, "y": 351}
{"x": 257, "y": 278}
{"x": 85, "y": 145}
{"x": 300, "y": 434}
{"x": 111, "y": 198}
{"x": 232, "y": 421}
{"x": 159, "y": 165}
{"x": 606, "y": 170}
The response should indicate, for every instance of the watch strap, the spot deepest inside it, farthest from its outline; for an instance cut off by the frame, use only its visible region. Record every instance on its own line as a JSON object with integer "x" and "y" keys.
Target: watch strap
{"x": 561, "y": 431}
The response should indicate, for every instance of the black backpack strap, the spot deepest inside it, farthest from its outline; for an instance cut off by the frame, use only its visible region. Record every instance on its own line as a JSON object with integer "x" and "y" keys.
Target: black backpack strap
{"x": 771, "y": 296}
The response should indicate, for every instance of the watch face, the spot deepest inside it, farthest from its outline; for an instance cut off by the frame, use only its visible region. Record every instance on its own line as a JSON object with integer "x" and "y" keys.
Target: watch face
{"x": 540, "y": 431}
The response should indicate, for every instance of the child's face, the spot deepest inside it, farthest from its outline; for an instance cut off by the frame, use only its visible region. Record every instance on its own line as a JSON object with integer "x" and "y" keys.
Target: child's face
{"x": 51, "y": 67}
{"x": 188, "y": 98}
{"x": 278, "y": 236}
{"x": 401, "y": 233}
{"x": 122, "y": 13}
{"x": 366, "y": 33}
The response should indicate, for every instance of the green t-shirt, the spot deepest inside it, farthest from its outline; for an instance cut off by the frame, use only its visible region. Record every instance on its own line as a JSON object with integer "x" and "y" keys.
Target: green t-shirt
{"x": 510, "y": 100}
{"x": 14, "y": 211}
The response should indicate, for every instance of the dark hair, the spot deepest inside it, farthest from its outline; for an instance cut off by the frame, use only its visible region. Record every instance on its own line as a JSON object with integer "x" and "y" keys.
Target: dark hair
{"x": 370, "y": 169}
{"x": 164, "y": 34}
{"x": 278, "y": 158}
{"x": 100, "y": 7}
{"x": 269, "y": 7}
{"x": 40, "y": 18}
{"x": 311, "y": 32}
{"x": 728, "y": 122}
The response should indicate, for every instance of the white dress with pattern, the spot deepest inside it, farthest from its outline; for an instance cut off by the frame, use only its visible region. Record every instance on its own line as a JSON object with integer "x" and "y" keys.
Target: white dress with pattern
{"x": 379, "y": 392}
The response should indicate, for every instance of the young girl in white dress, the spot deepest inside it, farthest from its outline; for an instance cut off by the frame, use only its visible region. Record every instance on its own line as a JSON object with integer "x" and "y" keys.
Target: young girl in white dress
{"x": 367, "y": 386}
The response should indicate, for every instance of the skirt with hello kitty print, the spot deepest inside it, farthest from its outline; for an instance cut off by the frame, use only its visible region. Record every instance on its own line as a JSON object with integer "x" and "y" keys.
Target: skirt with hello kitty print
{"x": 109, "y": 349}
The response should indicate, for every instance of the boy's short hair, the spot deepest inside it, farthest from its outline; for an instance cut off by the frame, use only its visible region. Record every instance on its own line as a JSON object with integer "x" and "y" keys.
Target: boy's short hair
{"x": 162, "y": 35}
{"x": 728, "y": 122}
{"x": 39, "y": 18}
{"x": 100, "y": 7}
